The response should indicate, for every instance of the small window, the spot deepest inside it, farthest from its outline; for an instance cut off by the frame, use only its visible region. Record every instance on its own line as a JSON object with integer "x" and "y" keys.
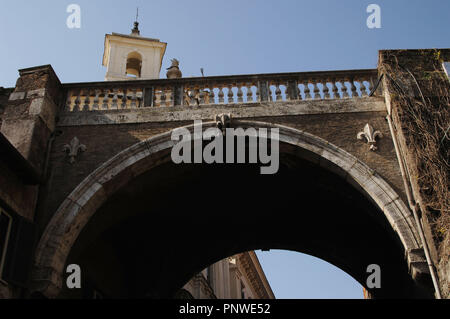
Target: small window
{"x": 134, "y": 65}
{"x": 5, "y": 230}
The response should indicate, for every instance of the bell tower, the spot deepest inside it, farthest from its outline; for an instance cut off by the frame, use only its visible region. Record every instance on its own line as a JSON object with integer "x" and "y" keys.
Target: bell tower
{"x": 132, "y": 57}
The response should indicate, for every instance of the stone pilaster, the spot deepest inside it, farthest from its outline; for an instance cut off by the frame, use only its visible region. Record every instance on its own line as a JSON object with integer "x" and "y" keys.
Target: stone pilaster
{"x": 30, "y": 114}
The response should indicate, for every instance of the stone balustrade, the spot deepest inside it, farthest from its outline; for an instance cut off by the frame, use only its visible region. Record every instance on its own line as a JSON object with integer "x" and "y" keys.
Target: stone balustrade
{"x": 193, "y": 92}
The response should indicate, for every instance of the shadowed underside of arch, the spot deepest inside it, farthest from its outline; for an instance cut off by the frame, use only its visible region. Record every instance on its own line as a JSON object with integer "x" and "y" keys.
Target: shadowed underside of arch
{"x": 76, "y": 210}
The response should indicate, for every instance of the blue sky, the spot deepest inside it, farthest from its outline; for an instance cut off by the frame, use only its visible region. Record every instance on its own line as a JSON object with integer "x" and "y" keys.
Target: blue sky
{"x": 298, "y": 276}
{"x": 223, "y": 37}
{"x": 228, "y": 37}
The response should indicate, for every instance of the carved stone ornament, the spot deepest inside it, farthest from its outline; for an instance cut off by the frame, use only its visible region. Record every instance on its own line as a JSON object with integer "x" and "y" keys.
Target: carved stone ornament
{"x": 223, "y": 121}
{"x": 192, "y": 96}
{"x": 174, "y": 70}
{"x": 370, "y": 135}
{"x": 73, "y": 149}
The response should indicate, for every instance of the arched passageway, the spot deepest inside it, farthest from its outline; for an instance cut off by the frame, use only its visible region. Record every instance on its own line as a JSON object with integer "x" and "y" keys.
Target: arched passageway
{"x": 141, "y": 226}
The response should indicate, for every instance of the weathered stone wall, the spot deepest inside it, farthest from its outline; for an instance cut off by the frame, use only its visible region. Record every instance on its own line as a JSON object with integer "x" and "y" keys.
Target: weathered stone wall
{"x": 417, "y": 92}
{"x": 29, "y": 117}
{"x": 15, "y": 194}
{"x": 83, "y": 204}
{"x": 105, "y": 141}
{"x": 102, "y": 143}
{"x": 4, "y": 95}
{"x": 341, "y": 130}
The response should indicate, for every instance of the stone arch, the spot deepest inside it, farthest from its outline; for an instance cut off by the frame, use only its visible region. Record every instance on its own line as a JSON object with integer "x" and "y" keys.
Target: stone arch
{"x": 75, "y": 211}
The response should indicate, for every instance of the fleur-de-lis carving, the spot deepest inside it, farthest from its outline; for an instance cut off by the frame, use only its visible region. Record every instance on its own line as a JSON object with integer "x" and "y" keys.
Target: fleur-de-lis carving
{"x": 370, "y": 135}
{"x": 73, "y": 149}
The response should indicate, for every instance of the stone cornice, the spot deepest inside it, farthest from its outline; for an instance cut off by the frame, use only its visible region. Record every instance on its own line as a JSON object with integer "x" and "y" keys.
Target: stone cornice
{"x": 242, "y": 110}
{"x": 226, "y": 78}
{"x": 253, "y": 272}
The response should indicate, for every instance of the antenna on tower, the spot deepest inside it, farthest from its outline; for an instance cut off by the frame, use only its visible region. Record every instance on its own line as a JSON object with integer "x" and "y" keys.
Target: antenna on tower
{"x": 137, "y": 13}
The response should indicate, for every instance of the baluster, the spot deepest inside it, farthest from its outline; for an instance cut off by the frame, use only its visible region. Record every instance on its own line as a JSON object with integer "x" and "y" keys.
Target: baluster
{"x": 194, "y": 95}
{"x": 139, "y": 98}
{"x": 202, "y": 95}
{"x": 269, "y": 92}
{"x": 183, "y": 92}
{"x": 77, "y": 102}
{"x": 105, "y": 102}
{"x": 212, "y": 99}
{"x": 87, "y": 101}
{"x": 299, "y": 91}
{"x": 278, "y": 96}
{"x": 316, "y": 90}
{"x": 163, "y": 97}
{"x": 133, "y": 99}
{"x": 344, "y": 90}
{"x": 124, "y": 99}
{"x": 184, "y": 96}
{"x": 221, "y": 95}
{"x": 249, "y": 93}
{"x": 307, "y": 91}
{"x": 353, "y": 88}
{"x": 292, "y": 92}
{"x": 206, "y": 92}
{"x": 230, "y": 94}
{"x": 371, "y": 85}
{"x": 158, "y": 96}
{"x": 258, "y": 94}
{"x": 95, "y": 106}
{"x": 188, "y": 94}
{"x": 187, "y": 98}
{"x": 287, "y": 92}
{"x": 169, "y": 96}
{"x": 114, "y": 99}
{"x": 363, "y": 88}
{"x": 335, "y": 89}
{"x": 326, "y": 90}
{"x": 240, "y": 94}
{"x": 69, "y": 101}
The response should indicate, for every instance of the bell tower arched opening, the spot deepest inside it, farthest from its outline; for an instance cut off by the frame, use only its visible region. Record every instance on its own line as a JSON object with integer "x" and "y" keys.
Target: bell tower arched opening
{"x": 134, "y": 65}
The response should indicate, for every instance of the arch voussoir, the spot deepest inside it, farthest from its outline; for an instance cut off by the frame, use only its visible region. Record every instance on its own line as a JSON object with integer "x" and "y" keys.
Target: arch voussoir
{"x": 76, "y": 210}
